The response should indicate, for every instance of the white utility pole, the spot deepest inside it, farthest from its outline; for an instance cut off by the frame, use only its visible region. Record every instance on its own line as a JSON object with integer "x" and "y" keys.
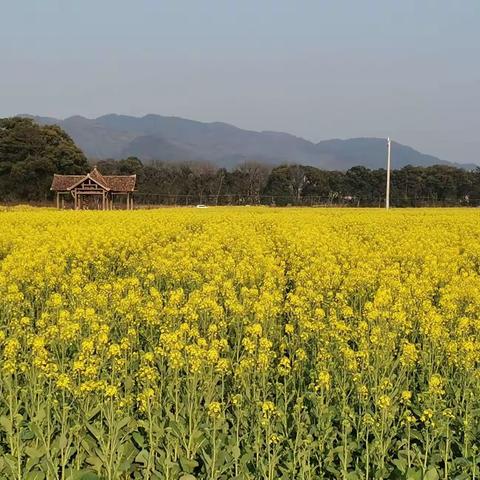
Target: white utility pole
{"x": 389, "y": 150}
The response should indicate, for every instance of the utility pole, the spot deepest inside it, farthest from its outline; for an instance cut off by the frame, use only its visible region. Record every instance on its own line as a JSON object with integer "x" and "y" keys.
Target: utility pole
{"x": 389, "y": 150}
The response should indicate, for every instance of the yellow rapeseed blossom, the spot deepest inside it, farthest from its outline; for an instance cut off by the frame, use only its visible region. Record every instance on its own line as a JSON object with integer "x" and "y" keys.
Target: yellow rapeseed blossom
{"x": 268, "y": 409}
{"x": 406, "y": 396}
{"x": 436, "y": 385}
{"x": 307, "y": 326}
{"x": 214, "y": 409}
{"x": 384, "y": 402}
{"x": 144, "y": 399}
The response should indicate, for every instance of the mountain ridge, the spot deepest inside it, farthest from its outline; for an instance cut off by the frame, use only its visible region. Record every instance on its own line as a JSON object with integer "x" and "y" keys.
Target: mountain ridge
{"x": 175, "y": 139}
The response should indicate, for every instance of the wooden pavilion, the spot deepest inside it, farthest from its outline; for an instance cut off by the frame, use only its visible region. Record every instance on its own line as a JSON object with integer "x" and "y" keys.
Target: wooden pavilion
{"x": 94, "y": 191}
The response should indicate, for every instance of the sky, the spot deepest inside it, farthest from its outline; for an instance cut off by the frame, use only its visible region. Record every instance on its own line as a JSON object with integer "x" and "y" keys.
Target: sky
{"x": 407, "y": 69}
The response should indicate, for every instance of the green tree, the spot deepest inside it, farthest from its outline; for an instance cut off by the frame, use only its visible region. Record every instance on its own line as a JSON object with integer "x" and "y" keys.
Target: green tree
{"x": 130, "y": 166}
{"x": 29, "y": 156}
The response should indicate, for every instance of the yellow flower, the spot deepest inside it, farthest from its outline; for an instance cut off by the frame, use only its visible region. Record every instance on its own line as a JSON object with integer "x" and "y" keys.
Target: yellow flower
{"x": 64, "y": 382}
{"x": 284, "y": 366}
{"x": 435, "y": 385}
{"x": 9, "y": 366}
{"x": 222, "y": 366}
{"x": 273, "y": 439}
{"x": 111, "y": 391}
{"x": 408, "y": 417}
{"x": 384, "y": 402}
{"x": 268, "y": 409}
{"x": 214, "y": 409}
{"x": 149, "y": 357}
{"x": 12, "y": 346}
{"x": 409, "y": 354}
{"x": 176, "y": 359}
{"x": 368, "y": 420}
{"x": 289, "y": 329}
{"x": 362, "y": 391}
{"x": 212, "y": 329}
{"x": 25, "y": 321}
{"x": 147, "y": 374}
{"x": 427, "y": 415}
{"x": 212, "y": 355}
{"x": 448, "y": 413}
{"x": 114, "y": 350}
{"x": 324, "y": 381}
{"x": 406, "y": 396}
{"x": 300, "y": 355}
{"x": 255, "y": 330}
{"x": 144, "y": 399}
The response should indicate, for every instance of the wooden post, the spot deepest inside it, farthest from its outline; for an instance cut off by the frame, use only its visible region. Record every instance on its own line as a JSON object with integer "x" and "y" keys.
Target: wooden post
{"x": 63, "y": 202}
{"x": 58, "y": 200}
{"x": 131, "y": 202}
{"x": 103, "y": 200}
{"x": 387, "y": 195}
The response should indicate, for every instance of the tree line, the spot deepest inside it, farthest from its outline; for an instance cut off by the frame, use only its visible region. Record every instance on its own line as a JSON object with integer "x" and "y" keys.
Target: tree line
{"x": 256, "y": 183}
{"x": 30, "y": 154}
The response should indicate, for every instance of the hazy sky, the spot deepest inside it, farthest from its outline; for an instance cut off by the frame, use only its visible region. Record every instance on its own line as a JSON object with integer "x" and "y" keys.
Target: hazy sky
{"x": 318, "y": 69}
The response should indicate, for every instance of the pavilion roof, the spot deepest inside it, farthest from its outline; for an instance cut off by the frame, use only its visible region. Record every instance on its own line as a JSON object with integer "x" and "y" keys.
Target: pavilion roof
{"x": 114, "y": 183}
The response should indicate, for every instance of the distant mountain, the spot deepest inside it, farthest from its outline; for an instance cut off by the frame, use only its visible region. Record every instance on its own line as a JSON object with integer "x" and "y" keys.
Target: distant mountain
{"x": 156, "y": 137}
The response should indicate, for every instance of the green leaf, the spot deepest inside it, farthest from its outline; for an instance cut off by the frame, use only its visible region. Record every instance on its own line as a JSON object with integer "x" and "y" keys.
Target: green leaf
{"x": 138, "y": 438}
{"x": 95, "y": 462}
{"x": 35, "y": 475}
{"x": 36, "y": 430}
{"x": 41, "y": 415}
{"x": 81, "y": 475}
{"x": 35, "y": 452}
{"x": 142, "y": 457}
{"x": 93, "y": 413}
{"x": 129, "y": 383}
{"x": 6, "y": 424}
{"x": 128, "y": 457}
{"x": 236, "y": 451}
{"x": 188, "y": 464}
{"x": 413, "y": 474}
{"x": 123, "y": 422}
{"x": 353, "y": 476}
{"x": 431, "y": 474}
{"x": 27, "y": 434}
{"x": 11, "y": 462}
{"x": 401, "y": 464}
{"x": 187, "y": 476}
{"x": 97, "y": 434}
{"x": 89, "y": 476}
{"x": 63, "y": 441}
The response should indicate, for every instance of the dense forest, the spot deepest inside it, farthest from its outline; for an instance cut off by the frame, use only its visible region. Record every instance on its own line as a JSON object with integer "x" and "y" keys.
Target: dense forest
{"x": 30, "y": 154}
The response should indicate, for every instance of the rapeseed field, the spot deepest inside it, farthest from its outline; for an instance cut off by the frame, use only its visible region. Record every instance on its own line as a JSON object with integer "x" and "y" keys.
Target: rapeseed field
{"x": 240, "y": 343}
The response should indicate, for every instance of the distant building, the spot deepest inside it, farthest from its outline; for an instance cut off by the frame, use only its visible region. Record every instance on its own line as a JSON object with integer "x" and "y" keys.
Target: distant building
{"x": 95, "y": 191}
